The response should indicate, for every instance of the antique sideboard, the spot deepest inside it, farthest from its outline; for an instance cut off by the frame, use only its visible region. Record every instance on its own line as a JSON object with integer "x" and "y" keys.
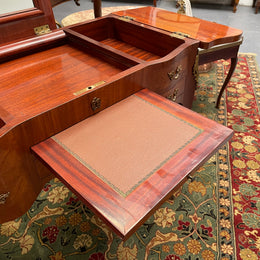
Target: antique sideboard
{"x": 182, "y": 4}
{"x": 58, "y": 79}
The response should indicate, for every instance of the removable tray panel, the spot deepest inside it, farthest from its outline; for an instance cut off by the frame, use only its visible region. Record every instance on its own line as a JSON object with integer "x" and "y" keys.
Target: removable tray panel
{"x": 131, "y": 50}
{"x": 134, "y": 39}
{"x": 126, "y": 160}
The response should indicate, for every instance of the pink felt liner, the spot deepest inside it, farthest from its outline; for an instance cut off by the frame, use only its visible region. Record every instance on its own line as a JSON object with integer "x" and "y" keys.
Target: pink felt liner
{"x": 127, "y": 142}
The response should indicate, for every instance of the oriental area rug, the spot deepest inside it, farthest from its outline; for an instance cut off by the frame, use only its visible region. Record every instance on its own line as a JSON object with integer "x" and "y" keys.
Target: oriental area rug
{"x": 214, "y": 215}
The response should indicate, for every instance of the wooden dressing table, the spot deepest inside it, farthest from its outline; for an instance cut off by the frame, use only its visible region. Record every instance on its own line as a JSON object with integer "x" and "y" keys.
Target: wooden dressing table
{"x": 111, "y": 69}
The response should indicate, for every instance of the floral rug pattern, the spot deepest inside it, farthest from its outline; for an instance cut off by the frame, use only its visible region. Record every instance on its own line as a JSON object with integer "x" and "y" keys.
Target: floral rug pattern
{"x": 214, "y": 215}
{"x": 243, "y": 96}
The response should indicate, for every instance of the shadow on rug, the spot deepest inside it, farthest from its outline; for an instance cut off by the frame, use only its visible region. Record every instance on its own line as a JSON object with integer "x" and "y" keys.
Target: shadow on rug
{"x": 216, "y": 215}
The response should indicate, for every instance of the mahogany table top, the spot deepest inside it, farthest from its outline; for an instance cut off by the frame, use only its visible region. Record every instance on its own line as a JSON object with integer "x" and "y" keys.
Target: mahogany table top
{"x": 208, "y": 33}
{"x": 126, "y": 160}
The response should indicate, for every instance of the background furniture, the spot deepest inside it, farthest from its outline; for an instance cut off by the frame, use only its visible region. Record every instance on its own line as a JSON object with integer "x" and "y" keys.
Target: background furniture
{"x": 257, "y": 5}
{"x": 98, "y": 8}
{"x": 181, "y": 3}
{"x": 55, "y": 2}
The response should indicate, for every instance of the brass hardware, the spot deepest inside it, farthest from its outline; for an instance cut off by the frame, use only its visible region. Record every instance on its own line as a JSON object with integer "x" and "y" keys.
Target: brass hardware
{"x": 58, "y": 24}
{"x": 43, "y": 29}
{"x": 173, "y": 96}
{"x": 221, "y": 47}
{"x": 196, "y": 69}
{"x": 127, "y": 18}
{"x": 179, "y": 35}
{"x": 181, "y": 4}
{"x": 88, "y": 88}
{"x": 95, "y": 103}
{"x": 190, "y": 177}
{"x": 3, "y": 197}
{"x": 175, "y": 74}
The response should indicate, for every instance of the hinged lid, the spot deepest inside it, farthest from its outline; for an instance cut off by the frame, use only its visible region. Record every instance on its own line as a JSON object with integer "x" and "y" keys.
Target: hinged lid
{"x": 208, "y": 33}
{"x": 127, "y": 18}
{"x": 19, "y": 25}
{"x": 180, "y": 35}
{"x": 43, "y": 29}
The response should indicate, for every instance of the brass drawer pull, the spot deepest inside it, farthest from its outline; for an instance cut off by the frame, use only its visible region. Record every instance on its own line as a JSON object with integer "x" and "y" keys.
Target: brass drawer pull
{"x": 95, "y": 104}
{"x": 3, "y": 197}
{"x": 175, "y": 74}
{"x": 173, "y": 96}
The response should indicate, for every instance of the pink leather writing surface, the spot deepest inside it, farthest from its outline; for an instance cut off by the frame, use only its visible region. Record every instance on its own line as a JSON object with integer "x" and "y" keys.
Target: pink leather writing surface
{"x": 126, "y": 143}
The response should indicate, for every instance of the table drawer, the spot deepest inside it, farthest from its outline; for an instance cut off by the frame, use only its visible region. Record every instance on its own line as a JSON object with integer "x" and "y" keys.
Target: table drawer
{"x": 175, "y": 93}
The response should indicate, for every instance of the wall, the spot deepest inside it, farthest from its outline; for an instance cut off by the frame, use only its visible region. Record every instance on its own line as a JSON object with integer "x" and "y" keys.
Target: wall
{"x": 246, "y": 2}
{"x": 7, "y": 6}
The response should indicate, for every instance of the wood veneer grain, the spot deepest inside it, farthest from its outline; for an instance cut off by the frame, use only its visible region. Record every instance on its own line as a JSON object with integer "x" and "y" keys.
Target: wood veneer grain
{"x": 124, "y": 214}
{"x": 208, "y": 33}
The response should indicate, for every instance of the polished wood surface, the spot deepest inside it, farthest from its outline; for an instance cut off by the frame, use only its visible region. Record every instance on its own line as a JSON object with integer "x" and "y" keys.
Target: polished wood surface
{"x": 217, "y": 41}
{"x": 48, "y": 83}
{"x": 140, "y": 44}
{"x": 208, "y": 33}
{"x": 19, "y": 25}
{"x": 124, "y": 214}
{"x": 37, "y": 101}
{"x": 41, "y": 103}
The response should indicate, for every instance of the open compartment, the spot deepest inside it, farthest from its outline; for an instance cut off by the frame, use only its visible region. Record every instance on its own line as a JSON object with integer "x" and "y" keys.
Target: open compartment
{"x": 54, "y": 75}
{"x": 88, "y": 56}
{"x": 135, "y": 41}
{"x": 2, "y": 123}
{"x": 4, "y": 117}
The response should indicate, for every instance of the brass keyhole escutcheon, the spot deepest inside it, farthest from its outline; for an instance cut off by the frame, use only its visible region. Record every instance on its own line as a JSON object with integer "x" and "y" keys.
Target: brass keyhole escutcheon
{"x": 95, "y": 103}
{"x": 175, "y": 74}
